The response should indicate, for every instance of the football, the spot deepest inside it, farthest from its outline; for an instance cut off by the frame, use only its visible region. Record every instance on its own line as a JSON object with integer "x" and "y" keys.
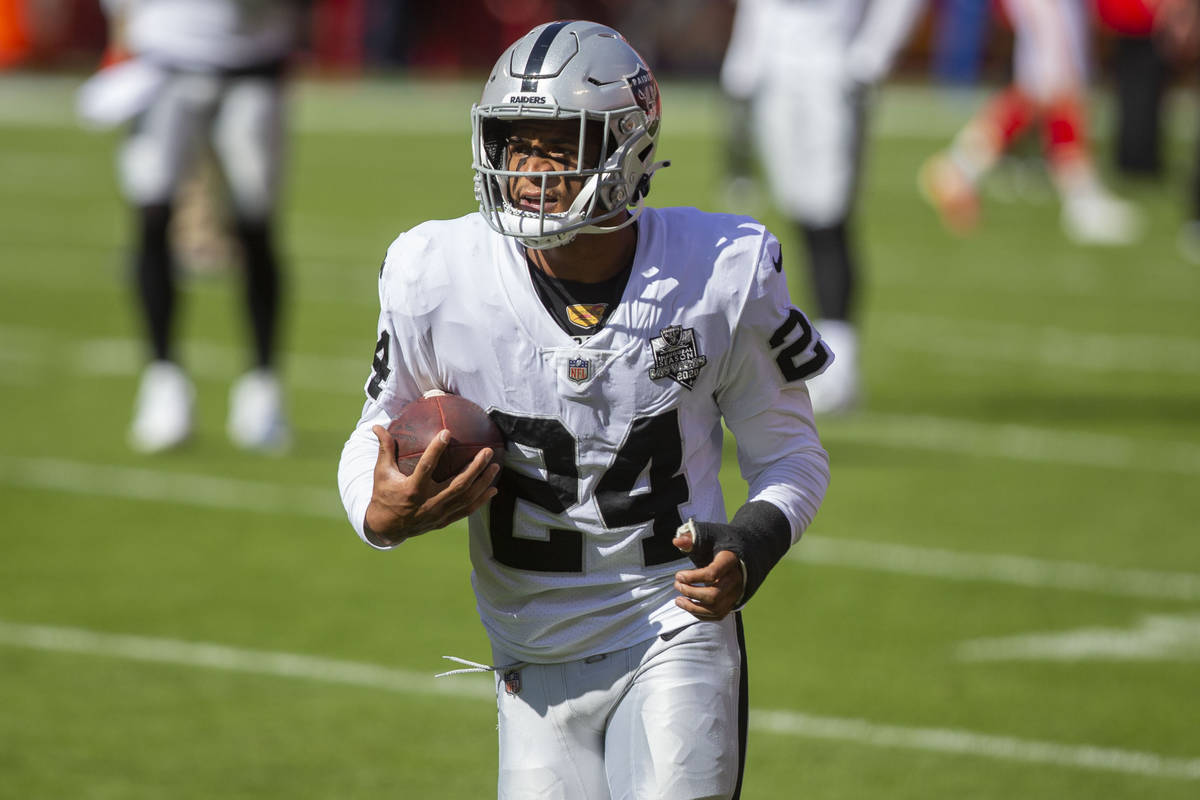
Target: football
{"x": 470, "y": 428}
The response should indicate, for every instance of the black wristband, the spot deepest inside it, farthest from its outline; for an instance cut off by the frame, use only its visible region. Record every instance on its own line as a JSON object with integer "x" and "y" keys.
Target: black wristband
{"x": 759, "y": 534}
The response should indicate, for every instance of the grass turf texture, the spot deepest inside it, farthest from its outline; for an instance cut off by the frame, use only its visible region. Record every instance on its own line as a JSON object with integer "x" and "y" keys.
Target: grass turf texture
{"x": 1026, "y": 397}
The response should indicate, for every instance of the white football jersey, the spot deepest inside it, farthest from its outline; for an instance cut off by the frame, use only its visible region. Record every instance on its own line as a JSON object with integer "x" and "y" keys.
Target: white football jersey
{"x": 612, "y": 443}
{"x": 790, "y": 41}
{"x": 210, "y": 34}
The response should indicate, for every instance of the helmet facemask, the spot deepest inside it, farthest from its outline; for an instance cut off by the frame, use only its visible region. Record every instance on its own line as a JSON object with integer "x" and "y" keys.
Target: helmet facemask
{"x": 614, "y": 178}
{"x": 579, "y": 73}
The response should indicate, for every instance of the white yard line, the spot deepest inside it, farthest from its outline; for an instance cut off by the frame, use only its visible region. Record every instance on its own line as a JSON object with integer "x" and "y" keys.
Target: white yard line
{"x": 1012, "y": 570}
{"x": 233, "y": 494}
{"x": 773, "y": 721}
{"x": 1044, "y": 345}
{"x": 1155, "y": 637}
{"x": 384, "y": 106}
{"x": 1020, "y": 443}
{"x": 969, "y": 743}
{"x": 124, "y": 357}
{"x": 189, "y": 489}
{"x": 233, "y": 659}
{"x": 942, "y": 337}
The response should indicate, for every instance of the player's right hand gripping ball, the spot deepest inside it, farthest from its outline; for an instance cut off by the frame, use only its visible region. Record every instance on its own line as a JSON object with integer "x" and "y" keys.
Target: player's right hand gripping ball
{"x": 471, "y": 430}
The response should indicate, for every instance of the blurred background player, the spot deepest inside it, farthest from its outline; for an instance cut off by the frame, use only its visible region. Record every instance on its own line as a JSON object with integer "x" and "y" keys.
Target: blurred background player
{"x": 206, "y": 73}
{"x": 1050, "y": 66}
{"x": 1154, "y": 41}
{"x": 797, "y": 75}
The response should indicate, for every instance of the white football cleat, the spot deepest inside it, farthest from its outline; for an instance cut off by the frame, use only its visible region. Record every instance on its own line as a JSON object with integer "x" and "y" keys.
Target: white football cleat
{"x": 162, "y": 416}
{"x": 1097, "y": 217}
{"x": 256, "y": 416}
{"x": 836, "y": 390}
{"x": 951, "y": 192}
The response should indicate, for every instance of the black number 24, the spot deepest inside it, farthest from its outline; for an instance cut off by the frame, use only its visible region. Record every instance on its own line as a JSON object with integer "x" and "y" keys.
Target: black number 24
{"x": 653, "y": 443}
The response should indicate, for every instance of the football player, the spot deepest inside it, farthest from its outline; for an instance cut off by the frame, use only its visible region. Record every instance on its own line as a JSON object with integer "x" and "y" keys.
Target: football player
{"x": 203, "y": 70}
{"x": 608, "y": 340}
{"x": 802, "y": 70}
{"x": 1050, "y": 62}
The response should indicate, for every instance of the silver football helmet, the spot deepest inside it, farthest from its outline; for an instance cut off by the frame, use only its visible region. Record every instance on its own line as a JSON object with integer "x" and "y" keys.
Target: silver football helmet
{"x": 569, "y": 70}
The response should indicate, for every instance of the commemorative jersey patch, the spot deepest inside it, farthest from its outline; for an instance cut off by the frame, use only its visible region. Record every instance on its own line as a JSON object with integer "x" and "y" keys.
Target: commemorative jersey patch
{"x": 677, "y": 356}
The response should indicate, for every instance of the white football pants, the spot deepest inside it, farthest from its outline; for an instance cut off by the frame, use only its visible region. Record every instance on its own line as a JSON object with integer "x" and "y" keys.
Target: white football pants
{"x": 656, "y": 720}
{"x": 809, "y": 137}
{"x": 241, "y": 116}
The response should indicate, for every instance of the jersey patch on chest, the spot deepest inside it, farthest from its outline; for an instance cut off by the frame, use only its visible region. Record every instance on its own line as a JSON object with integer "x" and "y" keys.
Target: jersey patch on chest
{"x": 586, "y": 315}
{"x": 677, "y": 356}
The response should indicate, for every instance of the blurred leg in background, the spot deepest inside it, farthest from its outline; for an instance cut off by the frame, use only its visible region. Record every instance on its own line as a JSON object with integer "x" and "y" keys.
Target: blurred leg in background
{"x": 802, "y": 73}
{"x": 1049, "y": 89}
{"x": 248, "y": 140}
{"x": 204, "y": 158}
{"x": 200, "y": 227}
{"x": 153, "y": 160}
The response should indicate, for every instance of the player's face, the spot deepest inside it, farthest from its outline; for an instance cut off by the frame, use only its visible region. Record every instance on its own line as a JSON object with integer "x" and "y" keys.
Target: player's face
{"x": 537, "y": 146}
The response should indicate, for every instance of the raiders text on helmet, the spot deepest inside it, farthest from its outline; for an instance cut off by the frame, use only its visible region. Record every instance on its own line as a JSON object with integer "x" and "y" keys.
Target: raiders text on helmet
{"x": 579, "y": 71}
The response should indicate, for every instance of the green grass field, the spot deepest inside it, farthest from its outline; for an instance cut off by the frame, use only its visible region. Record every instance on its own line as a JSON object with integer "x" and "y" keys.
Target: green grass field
{"x": 999, "y": 599}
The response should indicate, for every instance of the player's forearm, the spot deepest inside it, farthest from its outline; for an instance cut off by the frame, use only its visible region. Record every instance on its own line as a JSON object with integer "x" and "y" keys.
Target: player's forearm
{"x": 379, "y": 528}
{"x": 783, "y": 461}
{"x": 796, "y": 485}
{"x": 356, "y": 474}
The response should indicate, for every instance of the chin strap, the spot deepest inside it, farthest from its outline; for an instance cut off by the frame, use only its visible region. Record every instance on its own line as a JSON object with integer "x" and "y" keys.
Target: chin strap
{"x": 643, "y": 187}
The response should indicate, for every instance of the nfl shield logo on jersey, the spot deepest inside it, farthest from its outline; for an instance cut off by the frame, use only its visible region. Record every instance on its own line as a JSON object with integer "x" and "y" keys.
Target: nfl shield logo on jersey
{"x": 676, "y": 356}
{"x": 579, "y": 369}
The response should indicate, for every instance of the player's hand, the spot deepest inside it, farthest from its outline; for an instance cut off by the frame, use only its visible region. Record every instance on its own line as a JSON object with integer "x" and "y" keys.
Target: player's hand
{"x": 403, "y": 506}
{"x": 712, "y": 591}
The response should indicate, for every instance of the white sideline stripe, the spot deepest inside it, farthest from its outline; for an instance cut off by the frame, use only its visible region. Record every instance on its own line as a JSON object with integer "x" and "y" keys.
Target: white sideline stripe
{"x": 997, "y": 568}
{"x": 207, "y": 491}
{"x": 787, "y": 723}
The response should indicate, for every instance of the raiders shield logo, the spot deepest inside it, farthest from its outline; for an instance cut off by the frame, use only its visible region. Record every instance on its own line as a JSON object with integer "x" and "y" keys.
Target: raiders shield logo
{"x": 676, "y": 356}
{"x": 645, "y": 93}
{"x": 579, "y": 369}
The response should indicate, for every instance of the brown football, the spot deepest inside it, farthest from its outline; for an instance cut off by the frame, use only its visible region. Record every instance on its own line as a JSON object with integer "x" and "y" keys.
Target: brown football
{"x": 470, "y": 428}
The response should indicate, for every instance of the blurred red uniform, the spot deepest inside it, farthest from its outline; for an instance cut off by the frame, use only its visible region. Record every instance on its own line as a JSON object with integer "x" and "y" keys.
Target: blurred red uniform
{"x": 1050, "y": 66}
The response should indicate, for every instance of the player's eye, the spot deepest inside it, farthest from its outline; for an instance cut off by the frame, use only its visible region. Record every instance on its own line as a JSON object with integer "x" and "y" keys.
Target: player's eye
{"x": 520, "y": 147}
{"x": 560, "y": 152}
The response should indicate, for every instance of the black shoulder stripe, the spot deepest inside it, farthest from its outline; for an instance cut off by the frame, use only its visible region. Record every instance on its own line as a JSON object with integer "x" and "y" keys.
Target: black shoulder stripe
{"x": 537, "y": 56}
